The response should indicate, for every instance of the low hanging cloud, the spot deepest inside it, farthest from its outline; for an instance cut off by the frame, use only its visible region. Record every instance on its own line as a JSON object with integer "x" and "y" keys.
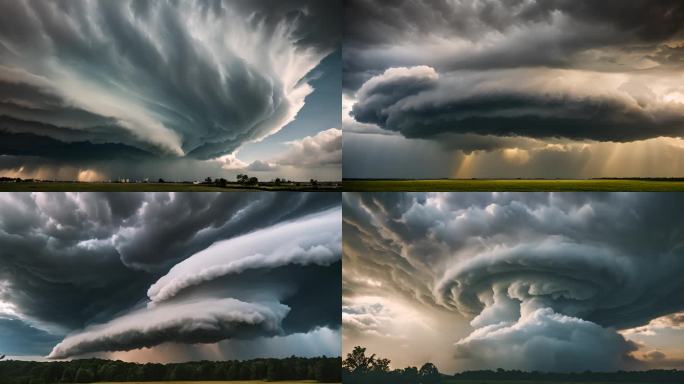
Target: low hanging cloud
{"x": 545, "y": 340}
{"x": 206, "y": 321}
{"x": 86, "y": 80}
{"x": 562, "y": 104}
{"x": 491, "y": 76}
{"x": 322, "y": 150}
{"x": 79, "y": 266}
{"x": 546, "y": 281}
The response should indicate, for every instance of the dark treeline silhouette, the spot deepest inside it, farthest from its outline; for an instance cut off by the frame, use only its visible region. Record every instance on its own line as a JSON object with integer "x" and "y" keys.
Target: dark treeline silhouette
{"x": 323, "y": 369}
{"x": 651, "y": 376}
{"x": 357, "y": 368}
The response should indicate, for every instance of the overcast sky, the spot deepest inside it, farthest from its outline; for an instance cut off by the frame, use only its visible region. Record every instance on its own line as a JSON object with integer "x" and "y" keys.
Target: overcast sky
{"x": 170, "y": 277}
{"x": 181, "y": 90}
{"x": 530, "y": 281}
{"x": 521, "y": 88}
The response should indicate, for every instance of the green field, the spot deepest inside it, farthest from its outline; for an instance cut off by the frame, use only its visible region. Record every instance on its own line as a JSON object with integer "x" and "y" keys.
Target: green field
{"x": 213, "y": 382}
{"x": 152, "y": 187}
{"x": 463, "y": 185}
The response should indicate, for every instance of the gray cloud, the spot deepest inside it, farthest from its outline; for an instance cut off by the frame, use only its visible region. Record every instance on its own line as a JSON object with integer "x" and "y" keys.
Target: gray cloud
{"x": 489, "y": 75}
{"x": 260, "y": 166}
{"x": 76, "y": 263}
{"x": 419, "y": 103}
{"x": 571, "y": 27}
{"x": 541, "y": 277}
{"x": 156, "y": 79}
{"x": 201, "y": 321}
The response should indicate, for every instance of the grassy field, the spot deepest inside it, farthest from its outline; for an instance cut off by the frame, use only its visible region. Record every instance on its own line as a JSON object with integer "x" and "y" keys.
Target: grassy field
{"x": 513, "y": 185}
{"x": 214, "y": 382}
{"x": 150, "y": 187}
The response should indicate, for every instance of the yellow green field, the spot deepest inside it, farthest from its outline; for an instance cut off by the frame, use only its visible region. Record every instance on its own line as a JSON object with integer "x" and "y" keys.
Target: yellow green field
{"x": 463, "y": 185}
{"x": 150, "y": 187}
{"x": 212, "y": 382}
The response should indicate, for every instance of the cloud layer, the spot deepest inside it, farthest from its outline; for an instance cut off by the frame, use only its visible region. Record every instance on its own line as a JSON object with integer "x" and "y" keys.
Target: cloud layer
{"x": 537, "y": 76}
{"x": 248, "y": 267}
{"x": 543, "y": 279}
{"x": 419, "y": 103}
{"x": 205, "y": 321}
{"x": 85, "y": 81}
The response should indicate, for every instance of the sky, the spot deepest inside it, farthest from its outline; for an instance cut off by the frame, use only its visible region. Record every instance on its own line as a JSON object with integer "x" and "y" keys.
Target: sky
{"x": 520, "y": 88}
{"x": 528, "y": 281}
{"x": 93, "y": 90}
{"x": 170, "y": 277}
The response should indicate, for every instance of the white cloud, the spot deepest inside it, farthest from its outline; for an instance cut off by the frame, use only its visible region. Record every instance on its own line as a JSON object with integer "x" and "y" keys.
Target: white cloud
{"x": 200, "y": 321}
{"x": 288, "y": 243}
{"x": 324, "y": 149}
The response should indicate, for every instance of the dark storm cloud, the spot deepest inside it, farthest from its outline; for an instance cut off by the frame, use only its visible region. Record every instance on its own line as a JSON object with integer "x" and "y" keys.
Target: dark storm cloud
{"x": 70, "y": 261}
{"x": 575, "y": 70}
{"x": 162, "y": 77}
{"x": 419, "y": 104}
{"x": 378, "y": 24}
{"x": 266, "y": 275}
{"x": 171, "y": 228}
{"x": 544, "y": 275}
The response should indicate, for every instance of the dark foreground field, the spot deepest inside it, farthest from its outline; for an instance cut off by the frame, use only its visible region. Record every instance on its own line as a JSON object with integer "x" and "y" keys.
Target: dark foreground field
{"x": 542, "y": 382}
{"x": 463, "y": 185}
{"x": 157, "y": 187}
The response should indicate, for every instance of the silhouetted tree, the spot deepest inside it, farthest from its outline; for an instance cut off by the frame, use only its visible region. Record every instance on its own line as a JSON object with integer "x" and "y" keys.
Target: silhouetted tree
{"x": 242, "y": 179}
{"x": 357, "y": 362}
{"x": 429, "y": 374}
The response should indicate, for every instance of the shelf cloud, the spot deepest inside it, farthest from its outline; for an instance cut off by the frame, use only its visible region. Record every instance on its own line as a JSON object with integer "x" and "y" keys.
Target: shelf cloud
{"x": 93, "y": 274}
{"x": 537, "y": 76}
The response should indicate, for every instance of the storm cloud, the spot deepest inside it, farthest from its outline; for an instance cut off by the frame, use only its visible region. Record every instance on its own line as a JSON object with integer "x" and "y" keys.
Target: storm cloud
{"x": 419, "y": 103}
{"x": 82, "y": 81}
{"x": 545, "y": 281}
{"x": 78, "y": 268}
{"x": 489, "y": 76}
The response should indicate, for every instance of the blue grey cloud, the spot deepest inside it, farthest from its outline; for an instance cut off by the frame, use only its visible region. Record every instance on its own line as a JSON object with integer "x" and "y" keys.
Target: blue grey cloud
{"x": 85, "y": 81}
{"x": 75, "y": 269}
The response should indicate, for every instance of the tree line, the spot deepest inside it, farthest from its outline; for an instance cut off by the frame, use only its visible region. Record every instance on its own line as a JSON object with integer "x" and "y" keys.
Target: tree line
{"x": 357, "y": 368}
{"x": 322, "y": 369}
{"x": 650, "y": 376}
